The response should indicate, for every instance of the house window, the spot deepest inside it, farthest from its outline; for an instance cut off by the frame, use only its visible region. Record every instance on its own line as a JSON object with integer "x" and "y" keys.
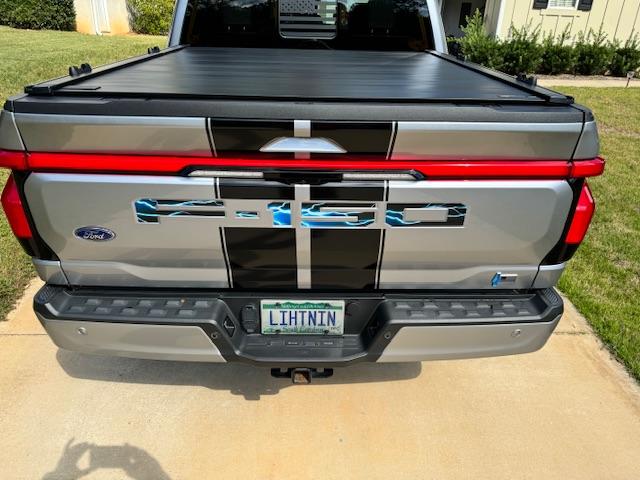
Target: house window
{"x": 563, "y": 3}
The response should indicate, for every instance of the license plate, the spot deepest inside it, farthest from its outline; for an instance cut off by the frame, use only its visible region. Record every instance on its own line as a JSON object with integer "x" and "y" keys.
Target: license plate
{"x": 323, "y": 317}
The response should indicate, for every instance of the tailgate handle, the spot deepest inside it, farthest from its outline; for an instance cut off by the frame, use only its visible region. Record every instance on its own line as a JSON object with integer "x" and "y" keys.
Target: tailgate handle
{"x": 302, "y": 145}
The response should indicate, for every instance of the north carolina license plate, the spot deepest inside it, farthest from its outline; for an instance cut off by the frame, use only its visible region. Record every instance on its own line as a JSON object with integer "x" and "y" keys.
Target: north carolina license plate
{"x": 323, "y": 317}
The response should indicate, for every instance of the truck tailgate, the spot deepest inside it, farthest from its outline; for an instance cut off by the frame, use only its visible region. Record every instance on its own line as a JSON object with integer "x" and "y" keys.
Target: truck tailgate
{"x": 256, "y": 234}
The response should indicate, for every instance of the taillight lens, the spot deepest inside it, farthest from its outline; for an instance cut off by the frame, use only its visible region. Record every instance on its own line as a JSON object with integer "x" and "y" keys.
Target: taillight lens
{"x": 14, "y": 210}
{"x": 13, "y": 159}
{"x": 582, "y": 217}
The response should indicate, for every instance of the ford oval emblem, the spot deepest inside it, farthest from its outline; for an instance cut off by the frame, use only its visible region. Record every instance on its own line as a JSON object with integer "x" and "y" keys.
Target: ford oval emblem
{"x": 95, "y": 234}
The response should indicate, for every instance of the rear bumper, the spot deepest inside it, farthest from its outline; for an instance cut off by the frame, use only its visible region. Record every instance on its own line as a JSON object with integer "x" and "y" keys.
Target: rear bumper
{"x": 211, "y": 326}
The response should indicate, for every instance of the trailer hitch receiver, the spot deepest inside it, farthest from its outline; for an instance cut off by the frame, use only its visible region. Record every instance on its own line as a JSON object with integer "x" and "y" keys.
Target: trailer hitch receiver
{"x": 301, "y": 375}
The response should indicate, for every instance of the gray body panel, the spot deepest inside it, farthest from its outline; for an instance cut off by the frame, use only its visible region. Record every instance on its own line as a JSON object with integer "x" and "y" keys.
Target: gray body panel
{"x": 486, "y": 140}
{"x": 589, "y": 143}
{"x": 50, "y": 271}
{"x": 9, "y": 134}
{"x": 114, "y": 134}
{"x": 548, "y": 275}
{"x": 153, "y": 342}
{"x": 180, "y": 252}
{"x": 509, "y": 227}
{"x": 416, "y": 344}
{"x": 189, "y": 343}
{"x": 189, "y": 136}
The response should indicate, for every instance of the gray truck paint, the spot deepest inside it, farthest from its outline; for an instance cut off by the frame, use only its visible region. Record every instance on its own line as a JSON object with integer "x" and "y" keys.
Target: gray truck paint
{"x": 416, "y": 344}
{"x": 484, "y": 139}
{"x": 190, "y": 343}
{"x": 154, "y": 342}
{"x": 548, "y": 275}
{"x": 187, "y": 251}
{"x": 9, "y": 134}
{"x": 589, "y": 143}
{"x": 186, "y": 254}
{"x": 509, "y": 228}
{"x": 188, "y": 136}
{"x": 106, "y": 134}
{"x": 50, "y": 271}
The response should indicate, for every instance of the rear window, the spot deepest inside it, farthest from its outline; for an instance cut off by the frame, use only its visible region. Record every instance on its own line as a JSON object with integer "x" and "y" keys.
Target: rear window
{"x": 345, "y": 25}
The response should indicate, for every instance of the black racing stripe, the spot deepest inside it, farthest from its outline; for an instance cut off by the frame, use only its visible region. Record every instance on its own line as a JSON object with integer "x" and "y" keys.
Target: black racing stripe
{"x": 247, "y": 135}
{"x": 382, "y": 239}
{"x": 370, "y": 138}
{"x": 225, "y": 256}
{"x": 343, "y": 258}
{"x": 371, "y": 191}
{"x": 379, "y": 265}
{"x": 210, "y": 138}
{"x": 255, "y": 190}
{"x": 262, "y": 258}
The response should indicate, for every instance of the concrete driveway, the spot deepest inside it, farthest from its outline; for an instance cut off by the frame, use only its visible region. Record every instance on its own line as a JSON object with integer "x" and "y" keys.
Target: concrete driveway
{"x": 567, "y": 411}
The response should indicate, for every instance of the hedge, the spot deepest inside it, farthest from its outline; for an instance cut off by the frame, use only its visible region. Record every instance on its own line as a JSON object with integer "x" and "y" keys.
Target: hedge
{"x": 38, "y": 14}
{"x": 151, "y": 17}
{"x": 523, "y": 52}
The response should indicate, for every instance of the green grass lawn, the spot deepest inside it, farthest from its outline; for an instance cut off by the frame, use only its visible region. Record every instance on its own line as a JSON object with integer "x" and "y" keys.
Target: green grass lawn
{"x": 28, "y": 56}
{"x": 603, "y": 280}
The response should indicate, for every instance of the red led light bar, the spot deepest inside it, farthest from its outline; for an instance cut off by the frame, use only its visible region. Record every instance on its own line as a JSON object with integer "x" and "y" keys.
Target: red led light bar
{"x": 432, "y": 169}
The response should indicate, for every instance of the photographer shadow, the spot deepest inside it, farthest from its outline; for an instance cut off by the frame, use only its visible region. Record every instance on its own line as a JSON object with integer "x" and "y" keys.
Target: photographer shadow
{"x": 81, "y": 459}
{"x": 248, "y": 381}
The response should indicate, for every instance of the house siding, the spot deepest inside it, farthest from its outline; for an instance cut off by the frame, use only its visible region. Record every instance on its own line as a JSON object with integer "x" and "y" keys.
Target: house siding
{"x": 115, "y": 23}
{"x": 619, "y": 19}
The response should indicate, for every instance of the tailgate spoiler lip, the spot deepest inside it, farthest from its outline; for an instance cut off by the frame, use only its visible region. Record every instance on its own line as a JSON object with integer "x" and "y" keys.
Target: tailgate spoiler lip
{"x": 286, "y": 109}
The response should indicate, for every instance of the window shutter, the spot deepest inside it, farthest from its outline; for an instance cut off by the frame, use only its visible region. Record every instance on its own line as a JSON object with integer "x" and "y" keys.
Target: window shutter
{"x": 585, "y": 5}
{"x": 540, "y": 4}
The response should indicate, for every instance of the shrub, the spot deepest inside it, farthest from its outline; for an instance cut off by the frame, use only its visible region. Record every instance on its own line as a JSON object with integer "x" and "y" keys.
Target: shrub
{"x": 557, "y": 56}
{"x": 152, "y": 17}
{"x": 593, "y": 53}
{"x": 38, "y": 14}
{"x": 479, "y": 47}
{"x": 522, "y": 52}
{"x": 625, "y": 58}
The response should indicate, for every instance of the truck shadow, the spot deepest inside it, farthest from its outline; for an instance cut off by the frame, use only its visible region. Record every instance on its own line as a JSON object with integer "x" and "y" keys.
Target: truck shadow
{"x": 250, "y": 382}
{"x": 81, "y": 459}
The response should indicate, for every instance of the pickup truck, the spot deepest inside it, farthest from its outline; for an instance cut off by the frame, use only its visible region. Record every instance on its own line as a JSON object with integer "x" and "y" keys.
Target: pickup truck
{"x": 300, "y": 185}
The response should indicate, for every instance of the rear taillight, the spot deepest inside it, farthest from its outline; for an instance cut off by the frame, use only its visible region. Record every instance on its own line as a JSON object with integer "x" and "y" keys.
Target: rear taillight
{"x": 13, "y": 208}
{"x": 12, "y": 159}
{"x": 582, "y": 217}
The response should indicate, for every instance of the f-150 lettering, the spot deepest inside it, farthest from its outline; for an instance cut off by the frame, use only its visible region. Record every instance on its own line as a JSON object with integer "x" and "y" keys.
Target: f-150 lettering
{"x": 309, "y": 214}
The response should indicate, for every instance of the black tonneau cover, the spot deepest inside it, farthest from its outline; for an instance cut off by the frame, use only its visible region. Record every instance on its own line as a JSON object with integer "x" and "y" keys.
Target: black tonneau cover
{"x": 311, "y": 75}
